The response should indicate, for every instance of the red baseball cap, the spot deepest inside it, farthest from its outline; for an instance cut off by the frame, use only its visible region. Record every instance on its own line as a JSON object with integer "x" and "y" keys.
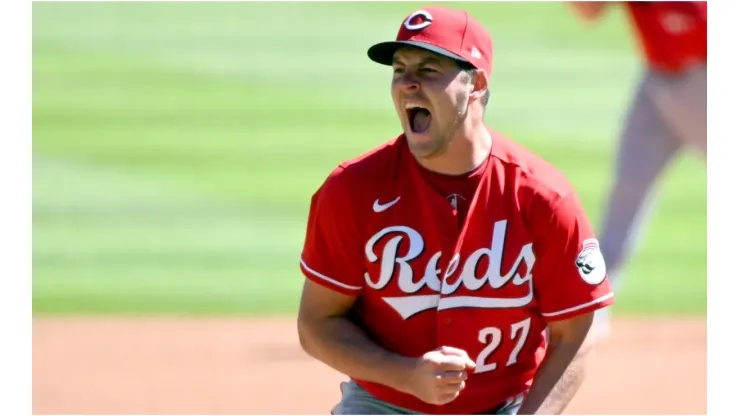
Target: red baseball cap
{"x": 448, "y": 32}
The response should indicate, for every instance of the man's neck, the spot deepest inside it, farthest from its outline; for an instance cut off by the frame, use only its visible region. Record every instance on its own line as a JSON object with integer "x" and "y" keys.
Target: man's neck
{"x": 465, "y": 153}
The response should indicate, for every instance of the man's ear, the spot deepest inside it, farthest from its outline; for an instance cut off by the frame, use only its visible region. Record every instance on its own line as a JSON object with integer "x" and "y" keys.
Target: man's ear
{"x": 480, "y": 84}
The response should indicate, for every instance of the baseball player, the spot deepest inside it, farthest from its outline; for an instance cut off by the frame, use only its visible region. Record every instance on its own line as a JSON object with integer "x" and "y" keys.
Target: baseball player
{"x": 435, "y": 262}
{"x": 668, "y": 113}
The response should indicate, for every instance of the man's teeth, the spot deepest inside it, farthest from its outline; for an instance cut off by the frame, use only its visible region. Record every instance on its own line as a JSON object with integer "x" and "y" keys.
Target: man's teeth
{"x": 412, "y": 105}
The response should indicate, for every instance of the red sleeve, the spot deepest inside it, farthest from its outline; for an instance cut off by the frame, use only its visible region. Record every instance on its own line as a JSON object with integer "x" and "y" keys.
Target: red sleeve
{"x": 332, "y": 253}
{"x": 570, "y": 277}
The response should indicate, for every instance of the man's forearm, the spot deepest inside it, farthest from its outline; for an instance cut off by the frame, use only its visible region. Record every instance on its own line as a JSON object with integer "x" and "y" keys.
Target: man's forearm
{"x": 557, "y": 381}
{"x": 342, "y": 345}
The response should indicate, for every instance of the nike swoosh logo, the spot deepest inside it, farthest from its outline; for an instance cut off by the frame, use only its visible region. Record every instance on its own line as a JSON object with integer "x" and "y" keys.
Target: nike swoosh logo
{"x": 378, "y": 207}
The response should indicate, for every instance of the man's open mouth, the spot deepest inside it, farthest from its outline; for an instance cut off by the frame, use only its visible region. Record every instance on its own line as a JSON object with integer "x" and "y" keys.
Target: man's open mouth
{"x": 419, "y": 117}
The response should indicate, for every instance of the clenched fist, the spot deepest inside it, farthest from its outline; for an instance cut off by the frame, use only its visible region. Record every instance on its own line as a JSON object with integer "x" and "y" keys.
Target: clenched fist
{"x": 439, "y": 375}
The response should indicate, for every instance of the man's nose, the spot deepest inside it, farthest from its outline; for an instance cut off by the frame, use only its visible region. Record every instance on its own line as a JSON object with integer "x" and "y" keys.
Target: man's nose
{"x": 409, "y": 82}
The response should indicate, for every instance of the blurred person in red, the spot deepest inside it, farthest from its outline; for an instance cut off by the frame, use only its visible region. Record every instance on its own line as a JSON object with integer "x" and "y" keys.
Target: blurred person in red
{"x": 668, "y": 113}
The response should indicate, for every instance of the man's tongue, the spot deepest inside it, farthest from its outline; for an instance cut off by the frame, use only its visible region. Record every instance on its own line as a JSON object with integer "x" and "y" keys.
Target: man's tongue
{"x": 421, "y": 121}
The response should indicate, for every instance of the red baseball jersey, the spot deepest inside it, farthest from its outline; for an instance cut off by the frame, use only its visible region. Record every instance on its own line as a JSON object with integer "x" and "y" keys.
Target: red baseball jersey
{"x": 524, "y": 255}
{"x": 672, "y": 34}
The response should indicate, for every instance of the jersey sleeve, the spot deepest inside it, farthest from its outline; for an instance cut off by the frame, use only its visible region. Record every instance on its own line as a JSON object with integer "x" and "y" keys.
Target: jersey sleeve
{"x": 332, "y": 253}
{"x": 570, "y": 277}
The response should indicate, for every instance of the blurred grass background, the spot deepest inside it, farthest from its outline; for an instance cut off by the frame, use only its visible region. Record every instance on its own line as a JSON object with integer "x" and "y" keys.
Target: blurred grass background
{"x": 176, "y": 145}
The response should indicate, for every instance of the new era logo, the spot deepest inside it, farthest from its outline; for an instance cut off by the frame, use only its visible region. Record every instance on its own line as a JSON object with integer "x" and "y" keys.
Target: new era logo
{"x": 475, "y": 53}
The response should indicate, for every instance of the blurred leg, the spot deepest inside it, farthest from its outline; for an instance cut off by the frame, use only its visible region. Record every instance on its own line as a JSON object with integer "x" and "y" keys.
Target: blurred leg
{"x": 682, "y": 102}
{"x": 646, "y": 146}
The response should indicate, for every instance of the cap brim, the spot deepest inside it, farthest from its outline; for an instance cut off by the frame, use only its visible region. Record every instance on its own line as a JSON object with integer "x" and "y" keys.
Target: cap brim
{"x": 382, "y": 53}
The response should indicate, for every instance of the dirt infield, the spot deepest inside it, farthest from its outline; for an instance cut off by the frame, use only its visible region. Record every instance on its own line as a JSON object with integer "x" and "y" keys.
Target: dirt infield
{"x": 209, "y": 366}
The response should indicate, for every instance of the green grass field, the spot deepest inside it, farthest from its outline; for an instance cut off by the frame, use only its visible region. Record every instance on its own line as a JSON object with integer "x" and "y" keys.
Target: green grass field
{"x": 176, "y": 145}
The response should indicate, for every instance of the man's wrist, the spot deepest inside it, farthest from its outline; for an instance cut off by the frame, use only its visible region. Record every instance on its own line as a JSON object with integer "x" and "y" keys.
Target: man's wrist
{"x": 401, "y": 372}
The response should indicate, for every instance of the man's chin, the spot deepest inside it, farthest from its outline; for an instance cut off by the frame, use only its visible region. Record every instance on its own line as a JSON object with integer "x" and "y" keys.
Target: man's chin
{"x": 424, "y": 149}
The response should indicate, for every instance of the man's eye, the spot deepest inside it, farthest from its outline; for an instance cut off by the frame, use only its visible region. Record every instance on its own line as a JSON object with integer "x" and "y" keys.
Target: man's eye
{"x": 428, "y": 70}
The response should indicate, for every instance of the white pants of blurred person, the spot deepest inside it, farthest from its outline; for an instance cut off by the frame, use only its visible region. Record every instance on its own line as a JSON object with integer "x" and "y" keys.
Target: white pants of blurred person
{"x": 667, "y": 114}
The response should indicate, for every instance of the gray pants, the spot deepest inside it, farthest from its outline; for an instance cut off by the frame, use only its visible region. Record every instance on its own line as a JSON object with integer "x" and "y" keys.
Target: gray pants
{"x": 357, "y": 401}
{"x": 667, "y": 114}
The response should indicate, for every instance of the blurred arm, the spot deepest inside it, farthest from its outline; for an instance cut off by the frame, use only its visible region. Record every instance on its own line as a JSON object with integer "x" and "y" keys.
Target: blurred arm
{"x": 563, "y": 369}
{"x": 589, "y": 11}
{"x": 328, "y": 335}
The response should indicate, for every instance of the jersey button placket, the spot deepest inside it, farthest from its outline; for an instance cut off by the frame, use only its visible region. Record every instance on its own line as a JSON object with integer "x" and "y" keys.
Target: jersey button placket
{"x": 452, "y": 266}
{"x": 444, "y": 320}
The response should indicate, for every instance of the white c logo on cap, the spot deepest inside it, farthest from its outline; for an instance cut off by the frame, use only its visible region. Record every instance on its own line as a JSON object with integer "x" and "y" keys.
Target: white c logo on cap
{"x": 418, "y": 26}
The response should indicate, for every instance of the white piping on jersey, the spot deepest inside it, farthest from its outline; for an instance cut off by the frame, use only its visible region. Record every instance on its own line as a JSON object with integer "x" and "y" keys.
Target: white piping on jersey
{"x": 327, "y": 278}
{"x": 575, "y": 308}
